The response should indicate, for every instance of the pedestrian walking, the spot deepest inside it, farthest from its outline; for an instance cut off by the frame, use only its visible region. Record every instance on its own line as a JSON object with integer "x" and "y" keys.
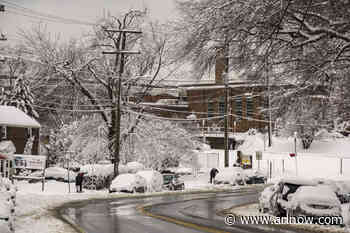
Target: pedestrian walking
{"x": 79, "y": 182}
{"x": 213, "y": 173}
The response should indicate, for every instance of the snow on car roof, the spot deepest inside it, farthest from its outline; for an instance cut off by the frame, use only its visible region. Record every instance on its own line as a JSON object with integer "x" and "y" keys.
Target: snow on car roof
{"x": 12, "y": 116}
{"x": 306, "y": 194}
{"x": 299, "y": 181}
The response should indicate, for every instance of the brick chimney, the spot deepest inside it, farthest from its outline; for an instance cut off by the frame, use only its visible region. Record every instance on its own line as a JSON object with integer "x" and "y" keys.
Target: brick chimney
{"x": 221, "y": 65}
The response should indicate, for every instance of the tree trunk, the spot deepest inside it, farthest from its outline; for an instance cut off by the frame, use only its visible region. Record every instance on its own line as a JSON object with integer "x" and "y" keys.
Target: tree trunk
{"x": 306, "y": 140}
{"x": 111, "y": 140}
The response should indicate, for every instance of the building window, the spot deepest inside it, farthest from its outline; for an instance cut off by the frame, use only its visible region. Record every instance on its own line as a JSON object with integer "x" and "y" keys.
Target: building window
{"x": 250, "y": 106}
{"x": 222, "y": 105}
{"x": 3, "y": 132}
{"x": 238, "y": 107}
{"x": 210, "y": 109}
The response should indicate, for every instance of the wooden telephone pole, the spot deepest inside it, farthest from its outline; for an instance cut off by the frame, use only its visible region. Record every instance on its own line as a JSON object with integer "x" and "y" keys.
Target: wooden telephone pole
{"x": 227, "y": 90}
{"x": 120, "y": 53}
{"x": 2, "y": 36}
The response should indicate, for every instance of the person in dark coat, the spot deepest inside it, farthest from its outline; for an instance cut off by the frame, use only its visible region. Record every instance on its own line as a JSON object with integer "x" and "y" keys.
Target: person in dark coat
{"x": 79, "y": 182}
{"x": 213, "y": 173}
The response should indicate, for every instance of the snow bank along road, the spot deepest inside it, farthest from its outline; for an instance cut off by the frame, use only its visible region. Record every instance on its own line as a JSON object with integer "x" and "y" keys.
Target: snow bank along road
{"x": 159, "y": 214}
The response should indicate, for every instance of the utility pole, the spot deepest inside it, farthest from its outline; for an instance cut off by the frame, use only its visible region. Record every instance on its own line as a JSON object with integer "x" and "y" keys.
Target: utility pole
{"x": 120, "y": 52}
{"x": 226, "y": 106}
{"x": 2, "y": 59}
{"x": 2, "y": 36}
{"x": 269, "y": 105}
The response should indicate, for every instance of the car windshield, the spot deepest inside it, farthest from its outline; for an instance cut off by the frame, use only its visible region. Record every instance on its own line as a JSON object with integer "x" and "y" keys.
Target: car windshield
{"x": 168, "y": 177}
{"x": 288, "y": 189}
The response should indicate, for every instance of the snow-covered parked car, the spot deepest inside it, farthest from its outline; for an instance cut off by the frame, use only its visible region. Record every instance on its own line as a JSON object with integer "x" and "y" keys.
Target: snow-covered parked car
{"x": 184, "y": 171}
{"x": 128, "y": 183}
{"x": 314, "y": 201}
{"x": 57, "y": 173}
{"x": 341, "y": 189}
{"x": 275, "y": 198}
{"x": 154, "y": 180}
{"x": 134, "y": 167}
{"x": 267, "y": 199}
{"x": 343, "y": 193}
{"x": 231, "y": 175}
{"x": 255, "y": 177}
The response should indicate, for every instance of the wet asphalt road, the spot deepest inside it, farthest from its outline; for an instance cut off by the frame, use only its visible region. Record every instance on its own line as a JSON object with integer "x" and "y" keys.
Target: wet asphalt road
{"x": 124, "y": 216}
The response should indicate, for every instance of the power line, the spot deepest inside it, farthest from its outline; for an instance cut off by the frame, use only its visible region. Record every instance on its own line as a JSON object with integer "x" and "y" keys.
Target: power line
{"x": 35, "y": 13}
{"x": 175, "y": 119}
{"x": 172, "y": 119}
{"x": 27, "y": 12}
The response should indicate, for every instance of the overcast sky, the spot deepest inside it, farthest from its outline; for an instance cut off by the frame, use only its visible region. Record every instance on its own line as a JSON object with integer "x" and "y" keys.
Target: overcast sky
{"x": 84, "y": 10}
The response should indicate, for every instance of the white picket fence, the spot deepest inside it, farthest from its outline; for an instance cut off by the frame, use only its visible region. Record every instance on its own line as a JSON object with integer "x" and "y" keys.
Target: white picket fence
{"x": 307, "y": 165}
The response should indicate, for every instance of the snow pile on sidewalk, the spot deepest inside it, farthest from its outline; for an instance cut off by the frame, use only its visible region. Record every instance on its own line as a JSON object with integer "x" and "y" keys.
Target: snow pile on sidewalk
{"x": 231, "y": 175}
{"x": 33, "y": 210}
{"x": 7, "y": 205}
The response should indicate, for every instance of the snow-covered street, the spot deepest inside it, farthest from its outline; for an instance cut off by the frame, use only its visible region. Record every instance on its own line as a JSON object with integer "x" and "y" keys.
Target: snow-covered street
{"x": 241, "y": 101}
{"x": 35, "y": 210}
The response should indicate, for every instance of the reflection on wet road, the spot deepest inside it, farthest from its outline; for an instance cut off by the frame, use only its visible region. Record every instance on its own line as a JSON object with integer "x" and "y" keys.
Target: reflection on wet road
{"x": 123, "y": 215}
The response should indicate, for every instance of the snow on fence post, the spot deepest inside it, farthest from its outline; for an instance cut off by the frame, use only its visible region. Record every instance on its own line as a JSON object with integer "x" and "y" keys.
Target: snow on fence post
{"x": 341, "y": 166}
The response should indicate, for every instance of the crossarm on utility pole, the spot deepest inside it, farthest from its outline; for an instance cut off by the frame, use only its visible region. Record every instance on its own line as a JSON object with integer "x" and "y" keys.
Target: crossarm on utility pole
{"x": 123, "y": 31}
{"x": 121, "y": 52}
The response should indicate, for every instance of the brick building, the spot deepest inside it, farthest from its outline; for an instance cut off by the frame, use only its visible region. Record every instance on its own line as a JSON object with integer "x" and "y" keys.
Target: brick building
{"x": 207, "y": 100}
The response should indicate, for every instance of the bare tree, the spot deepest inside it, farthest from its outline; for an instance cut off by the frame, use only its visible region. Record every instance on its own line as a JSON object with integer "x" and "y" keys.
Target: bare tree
{"x": 304, "y": 45}
{"x": 84, "y": 67}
